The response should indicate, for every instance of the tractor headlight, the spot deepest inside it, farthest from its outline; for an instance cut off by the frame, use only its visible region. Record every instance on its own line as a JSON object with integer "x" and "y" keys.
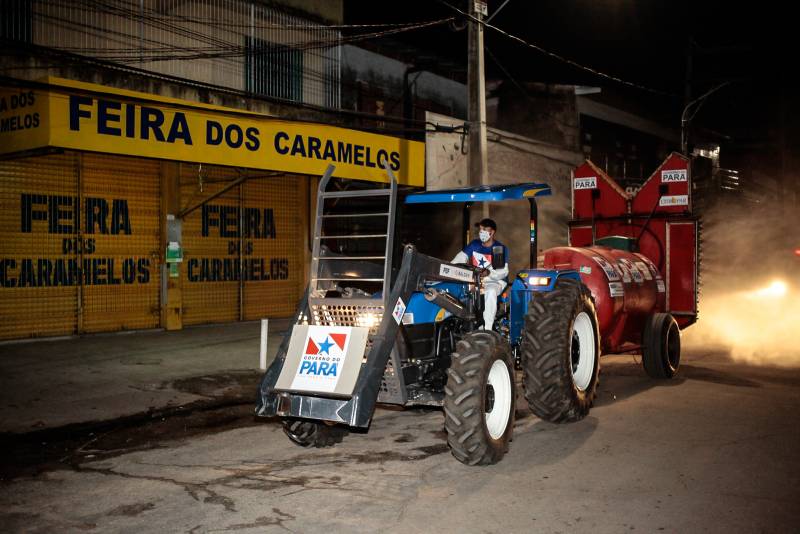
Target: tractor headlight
{"x": 539, "y": 281}
{"x": 368, "y": 320}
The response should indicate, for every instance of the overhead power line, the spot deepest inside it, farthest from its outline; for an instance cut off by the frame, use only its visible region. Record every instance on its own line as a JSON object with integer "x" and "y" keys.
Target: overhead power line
{"x": 558, "y": 57}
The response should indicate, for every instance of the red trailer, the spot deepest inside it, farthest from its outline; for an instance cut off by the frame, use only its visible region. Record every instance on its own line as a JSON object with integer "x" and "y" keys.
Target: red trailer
{"x": 638, "y": 255}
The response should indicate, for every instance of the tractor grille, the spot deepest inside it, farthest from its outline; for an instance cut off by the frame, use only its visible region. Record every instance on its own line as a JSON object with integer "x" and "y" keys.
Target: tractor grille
{"x": 348, "y": 315}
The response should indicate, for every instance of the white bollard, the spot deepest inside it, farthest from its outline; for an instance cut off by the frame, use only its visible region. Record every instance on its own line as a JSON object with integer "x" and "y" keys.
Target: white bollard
{"x": 264, "y": 334}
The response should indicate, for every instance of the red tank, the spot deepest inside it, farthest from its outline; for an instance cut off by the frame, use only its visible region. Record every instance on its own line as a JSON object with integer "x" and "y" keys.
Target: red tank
{"x": 627, "y": 288}
{"x": 657, "y": 220}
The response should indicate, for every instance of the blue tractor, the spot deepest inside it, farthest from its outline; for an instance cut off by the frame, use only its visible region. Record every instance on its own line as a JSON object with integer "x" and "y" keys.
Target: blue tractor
{"x": 372, "y": 331}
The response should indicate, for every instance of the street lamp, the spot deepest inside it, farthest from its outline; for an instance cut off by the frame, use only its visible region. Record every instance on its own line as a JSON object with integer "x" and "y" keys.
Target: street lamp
{"x": 686, "y": 120}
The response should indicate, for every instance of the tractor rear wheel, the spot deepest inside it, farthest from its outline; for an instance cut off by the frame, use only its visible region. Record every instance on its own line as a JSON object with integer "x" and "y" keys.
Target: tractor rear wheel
{"x": 561, "y": 352}
{"x": 312, "y": 434}
{"x": 479, "y": 399}
{"x": 661, "y": 346}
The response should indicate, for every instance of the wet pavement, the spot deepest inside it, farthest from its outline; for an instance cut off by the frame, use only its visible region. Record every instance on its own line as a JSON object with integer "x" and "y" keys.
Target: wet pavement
{"x": 714, "y": 450}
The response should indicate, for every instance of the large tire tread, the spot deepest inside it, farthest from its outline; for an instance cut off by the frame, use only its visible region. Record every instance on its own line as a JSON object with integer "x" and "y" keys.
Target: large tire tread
{"x": 549, "y": 387}
{"x": 469, "y": 440}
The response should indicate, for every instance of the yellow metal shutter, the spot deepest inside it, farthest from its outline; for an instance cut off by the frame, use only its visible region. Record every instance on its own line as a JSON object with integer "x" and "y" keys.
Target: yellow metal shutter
{"x": 210, "y": 286}
{"x": 34, "y": 300}
{"x": 122, "y": 197}
{"x": 244, "y": 250}
{"x": 277, "y": 260}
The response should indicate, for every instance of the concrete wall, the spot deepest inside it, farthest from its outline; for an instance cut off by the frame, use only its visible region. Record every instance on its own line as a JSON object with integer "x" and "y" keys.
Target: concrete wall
{"x": 512, "y": 158}
{"x": 381, "y": 75}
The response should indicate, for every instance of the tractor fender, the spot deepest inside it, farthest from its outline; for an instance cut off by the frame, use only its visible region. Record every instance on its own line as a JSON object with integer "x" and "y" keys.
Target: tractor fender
{"x": 526, "y": 283}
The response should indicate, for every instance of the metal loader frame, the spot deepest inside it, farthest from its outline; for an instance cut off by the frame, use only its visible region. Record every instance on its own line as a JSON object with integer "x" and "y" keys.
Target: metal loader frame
{"x": 380, "y": 378}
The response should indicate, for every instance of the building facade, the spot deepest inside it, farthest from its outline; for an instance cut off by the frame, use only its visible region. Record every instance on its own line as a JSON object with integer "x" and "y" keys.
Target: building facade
{"x": 158, "y": 160}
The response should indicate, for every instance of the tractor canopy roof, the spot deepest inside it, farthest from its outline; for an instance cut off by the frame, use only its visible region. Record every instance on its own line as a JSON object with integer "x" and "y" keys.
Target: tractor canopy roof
{"x": 482, "y": 193}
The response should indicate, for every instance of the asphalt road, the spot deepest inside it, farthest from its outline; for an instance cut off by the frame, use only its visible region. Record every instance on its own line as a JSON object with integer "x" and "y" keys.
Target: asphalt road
{"x": 715, "y": 450}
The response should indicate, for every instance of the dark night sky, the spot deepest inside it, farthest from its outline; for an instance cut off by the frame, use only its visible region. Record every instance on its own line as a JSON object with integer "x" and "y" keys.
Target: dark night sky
{"x": 641, "y": 41}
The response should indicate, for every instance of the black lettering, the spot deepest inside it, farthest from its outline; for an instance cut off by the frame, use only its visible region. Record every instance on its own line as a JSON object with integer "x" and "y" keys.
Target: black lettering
{"x": 252, "y": 222}
{"x": 26, "y": 278}
{"x": 143, "y": 266}
{"x": 285, "y": 269}
{"x": 395, "y": 157}
{"x": 298, "y": 147}
{"x": 383, "y": 158}
{"x": 359, "y": 155}
{"x": 5, "y": 266}
{"x": 73, "y": 272}
{"x": 205, "y": 270}
{"x": 56, "y": 214}
{"x": 44, "y": 270}
{"x": 130, "y": 120}
{"x": 128, "y": 270}
{"x": 120, "y": 218}
{"x": 152, "y": 120}
{"x": 233, "y": 136}
{"x": 368, "y": 160}
{"x": 253, "y": 142}
{"x": 75, "y": 111}
{"x": 99, "y": 272}
{"x": 36, "y": 120}
{"x": 96, "y": 215}
{"x": 281, "y": 136}
{"x": 104, "y": 117}
{"x": 209, "y": 221}
{"x": 179, "y": 129}
{"x": 345, "y": 152}
{"x": 192, "y": 276}
{"x": 216, "y": 269}
{"x": 112, "y": 280}
{"x": 228, "y": 219}
{"x": 60, "y": 273}
{"x": 213, "y": 133}
{"x": 227, "y": 270}
{"x": 314, "y": 144}
{"x": 28, "y": 214}
{"x": 329, "y": 152}
{"x": 269, "y": 224}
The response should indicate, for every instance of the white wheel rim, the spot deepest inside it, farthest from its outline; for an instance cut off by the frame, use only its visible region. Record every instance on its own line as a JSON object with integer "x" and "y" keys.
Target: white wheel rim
{"x": 582, "y": 334}
{"x": 497, "y": 417}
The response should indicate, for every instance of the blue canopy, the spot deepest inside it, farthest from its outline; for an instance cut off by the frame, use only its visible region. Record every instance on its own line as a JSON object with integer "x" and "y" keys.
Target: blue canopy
{"x": 483, "y": 193}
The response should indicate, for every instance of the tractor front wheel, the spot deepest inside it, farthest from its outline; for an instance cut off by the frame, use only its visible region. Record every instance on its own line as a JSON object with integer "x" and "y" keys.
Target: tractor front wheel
{"x": 561, "y": 353}
{"x": 312, "y": 434}
{"x": 479, "y": 399}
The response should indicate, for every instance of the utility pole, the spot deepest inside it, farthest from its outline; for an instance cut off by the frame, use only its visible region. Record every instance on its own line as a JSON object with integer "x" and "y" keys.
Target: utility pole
{"x": 478, "y": 167}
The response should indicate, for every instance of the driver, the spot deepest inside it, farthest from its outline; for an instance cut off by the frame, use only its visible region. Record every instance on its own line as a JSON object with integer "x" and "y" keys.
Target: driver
{"x": 479, "y": 254}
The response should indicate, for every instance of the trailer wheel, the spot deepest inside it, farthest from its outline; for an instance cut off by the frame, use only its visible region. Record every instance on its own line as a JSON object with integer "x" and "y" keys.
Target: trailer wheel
{"x": 312, "y": 434}
{"x": 479, "y": 399}
{"x": 561, "y": 353}
{"x": 661, "y": 346}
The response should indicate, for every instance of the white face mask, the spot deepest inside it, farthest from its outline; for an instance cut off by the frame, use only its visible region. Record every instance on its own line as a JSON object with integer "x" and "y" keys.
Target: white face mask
{"x": 484, "y": 236}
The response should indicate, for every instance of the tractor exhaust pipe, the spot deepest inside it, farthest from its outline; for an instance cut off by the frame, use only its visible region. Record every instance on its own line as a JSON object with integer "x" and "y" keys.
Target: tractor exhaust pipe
{"x": 448, "y": 302}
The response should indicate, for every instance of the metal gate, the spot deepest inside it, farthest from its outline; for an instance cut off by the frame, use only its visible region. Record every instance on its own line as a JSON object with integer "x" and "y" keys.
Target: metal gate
{"x": 244, "y": 251}
{"x": 79, "y": 240}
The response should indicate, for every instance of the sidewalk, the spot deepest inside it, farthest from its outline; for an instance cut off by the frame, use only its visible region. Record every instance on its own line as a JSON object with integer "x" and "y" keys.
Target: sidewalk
{"x": 48, "y": 384}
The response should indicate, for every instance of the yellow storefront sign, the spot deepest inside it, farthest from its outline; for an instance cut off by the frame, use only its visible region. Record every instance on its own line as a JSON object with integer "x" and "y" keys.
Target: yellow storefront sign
{"x": 95, "y": 118}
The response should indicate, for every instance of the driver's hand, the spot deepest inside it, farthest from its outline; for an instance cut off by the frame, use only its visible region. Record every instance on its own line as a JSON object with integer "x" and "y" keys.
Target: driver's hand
{"x": 484, "y": 273}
